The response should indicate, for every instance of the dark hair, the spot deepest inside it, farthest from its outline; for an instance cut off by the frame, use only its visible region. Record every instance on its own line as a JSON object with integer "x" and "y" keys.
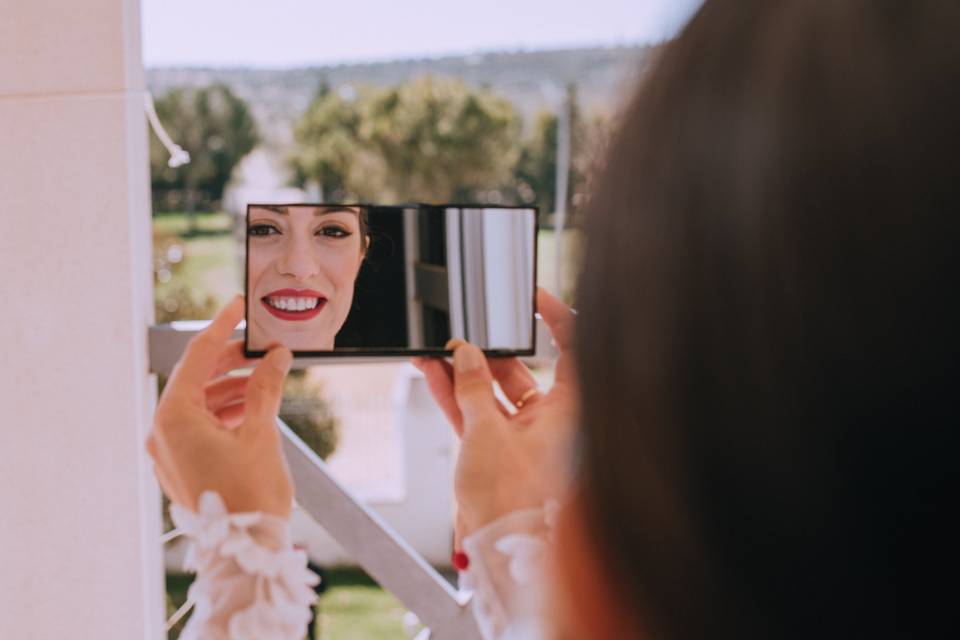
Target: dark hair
{"x": 767, "y": 341}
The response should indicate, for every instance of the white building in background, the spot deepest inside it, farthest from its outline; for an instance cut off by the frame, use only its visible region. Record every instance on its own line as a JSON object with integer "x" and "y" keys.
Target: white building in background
{"x": 260, "y": 177}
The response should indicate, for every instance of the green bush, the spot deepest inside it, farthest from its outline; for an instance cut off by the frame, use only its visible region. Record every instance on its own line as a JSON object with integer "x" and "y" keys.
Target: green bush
{"x": 308, "y": 414}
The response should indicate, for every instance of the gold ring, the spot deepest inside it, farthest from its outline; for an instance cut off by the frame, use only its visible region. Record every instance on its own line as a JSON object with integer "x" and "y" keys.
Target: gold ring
{"x": 527, "y": 395}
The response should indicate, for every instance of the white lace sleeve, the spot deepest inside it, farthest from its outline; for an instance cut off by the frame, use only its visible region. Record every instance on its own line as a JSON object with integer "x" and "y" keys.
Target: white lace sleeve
{"x": 251, "y": 583}
{"x": 505, "y": 573}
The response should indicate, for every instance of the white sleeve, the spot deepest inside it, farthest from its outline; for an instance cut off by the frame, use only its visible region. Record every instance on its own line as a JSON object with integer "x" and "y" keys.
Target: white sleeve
{"x": 251, "y": 583}
{"x": 506, "y": 573}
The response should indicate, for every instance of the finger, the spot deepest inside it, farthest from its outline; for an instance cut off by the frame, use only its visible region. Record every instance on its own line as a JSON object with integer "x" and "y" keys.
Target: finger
{"x": 439, "y": 376}
{"x": 232, "y": 358}
{"x": 265, "y": 388}
{"x": 459, "y": 530}
{"x": 453, "y": 343}
{"x": 225, "y": 391}
{"x": 559, "y": 318}
{"x": 473, "y": 387}
{"x": 513, "y": 376}
{"x": 202, "y": 355}
{"x": 231, "y": 415}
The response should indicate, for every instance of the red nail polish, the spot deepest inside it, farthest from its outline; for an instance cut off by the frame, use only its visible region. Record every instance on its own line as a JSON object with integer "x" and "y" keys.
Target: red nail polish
{"x": 460, "y": 561}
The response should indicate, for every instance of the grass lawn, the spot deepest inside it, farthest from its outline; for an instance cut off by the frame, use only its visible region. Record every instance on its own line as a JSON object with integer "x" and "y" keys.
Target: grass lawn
{"x": 178, "y": 222}
{"x": 212, "y": 255}
{"x": 354, "y": 607}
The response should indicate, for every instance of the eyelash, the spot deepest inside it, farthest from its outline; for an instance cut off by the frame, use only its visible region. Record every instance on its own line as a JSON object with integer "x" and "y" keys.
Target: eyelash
{"x": 330, "y": 231}
{"x": 263, "y": 230}
{"x": 340, "y": 232}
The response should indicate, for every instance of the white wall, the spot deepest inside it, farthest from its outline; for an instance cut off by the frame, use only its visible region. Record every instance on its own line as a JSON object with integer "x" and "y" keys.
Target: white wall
{"x": 80, "y": 523}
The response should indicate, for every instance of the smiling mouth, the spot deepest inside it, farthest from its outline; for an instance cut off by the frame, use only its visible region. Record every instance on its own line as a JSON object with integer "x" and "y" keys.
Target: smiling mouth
{"x": 289, "y": 304}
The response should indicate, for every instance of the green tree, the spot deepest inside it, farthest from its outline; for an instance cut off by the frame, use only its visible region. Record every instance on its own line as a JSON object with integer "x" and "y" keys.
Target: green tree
{"x": 535, "y": 177}
{"x": 217, "y": 129}
{"x": 429, "y": 140}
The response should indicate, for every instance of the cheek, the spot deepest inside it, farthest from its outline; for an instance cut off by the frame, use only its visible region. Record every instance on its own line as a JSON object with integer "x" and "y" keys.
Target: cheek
{"x": 342, "y": 268}
{"x": 259, "y": 260}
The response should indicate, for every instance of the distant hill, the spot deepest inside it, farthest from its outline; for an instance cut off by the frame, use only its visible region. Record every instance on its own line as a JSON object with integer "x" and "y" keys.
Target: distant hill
{"x": 531, "y": 80}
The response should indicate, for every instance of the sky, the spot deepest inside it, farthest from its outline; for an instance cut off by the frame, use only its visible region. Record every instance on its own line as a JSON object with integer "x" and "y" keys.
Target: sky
{"x": 295, "y": 33}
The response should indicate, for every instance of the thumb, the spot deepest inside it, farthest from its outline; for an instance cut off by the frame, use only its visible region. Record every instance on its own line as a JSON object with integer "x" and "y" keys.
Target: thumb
{"x": 473, "y": 386}
{"x": 265, "y": 388}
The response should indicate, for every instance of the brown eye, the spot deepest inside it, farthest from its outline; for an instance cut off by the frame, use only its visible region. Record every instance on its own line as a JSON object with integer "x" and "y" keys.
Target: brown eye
{"x": 333, "y": 231}
{"x": 262, "y": 230}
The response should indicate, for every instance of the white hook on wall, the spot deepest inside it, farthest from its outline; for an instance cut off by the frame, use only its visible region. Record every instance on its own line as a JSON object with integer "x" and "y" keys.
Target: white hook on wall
{"x": 178, "y": 156}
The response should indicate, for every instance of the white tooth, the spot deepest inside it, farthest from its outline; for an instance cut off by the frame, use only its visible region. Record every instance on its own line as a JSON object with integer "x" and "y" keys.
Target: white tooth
{"x": 289, "y": 302}
{"x": 311, "y": 303}
{"x": 275, "y": 302}
{"x": 300, "y": 305}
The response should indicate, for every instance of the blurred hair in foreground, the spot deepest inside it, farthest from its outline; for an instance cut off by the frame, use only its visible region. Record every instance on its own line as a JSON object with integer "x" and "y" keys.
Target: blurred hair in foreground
{"x": 767, "y": 344}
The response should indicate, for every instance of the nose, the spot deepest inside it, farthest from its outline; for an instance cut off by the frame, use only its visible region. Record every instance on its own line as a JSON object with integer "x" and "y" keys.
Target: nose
{"x": 299, "y": 259}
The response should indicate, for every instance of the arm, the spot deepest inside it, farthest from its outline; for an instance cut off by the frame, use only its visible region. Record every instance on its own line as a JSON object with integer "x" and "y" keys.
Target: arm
{"x": 251, "y": 582}
{"x": 513, "y": 459}
{"x": 218, "y": 457}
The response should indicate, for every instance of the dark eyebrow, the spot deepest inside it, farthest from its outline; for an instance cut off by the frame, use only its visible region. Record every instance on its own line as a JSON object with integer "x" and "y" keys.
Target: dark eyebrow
{"x": 320, "y": 211}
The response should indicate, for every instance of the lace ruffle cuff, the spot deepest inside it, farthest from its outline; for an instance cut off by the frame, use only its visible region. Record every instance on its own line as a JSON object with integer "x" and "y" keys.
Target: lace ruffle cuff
{"x": 507, "y": 558}
{"x": 251, "y": 583}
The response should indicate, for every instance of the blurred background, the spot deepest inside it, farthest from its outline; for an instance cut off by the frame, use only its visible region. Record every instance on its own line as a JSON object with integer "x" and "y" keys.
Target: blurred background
{"x": 423, "y": 101}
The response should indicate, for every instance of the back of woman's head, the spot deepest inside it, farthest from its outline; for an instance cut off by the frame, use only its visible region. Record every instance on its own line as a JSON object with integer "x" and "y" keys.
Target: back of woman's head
{"x": 766, "y": 346}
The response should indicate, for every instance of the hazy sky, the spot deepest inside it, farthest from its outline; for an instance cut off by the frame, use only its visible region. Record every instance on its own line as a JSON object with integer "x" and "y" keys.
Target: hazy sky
{"x": 283, "y": 33}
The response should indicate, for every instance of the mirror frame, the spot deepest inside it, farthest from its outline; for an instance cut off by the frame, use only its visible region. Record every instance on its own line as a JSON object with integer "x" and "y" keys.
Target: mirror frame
{"x": 394, "y": 352}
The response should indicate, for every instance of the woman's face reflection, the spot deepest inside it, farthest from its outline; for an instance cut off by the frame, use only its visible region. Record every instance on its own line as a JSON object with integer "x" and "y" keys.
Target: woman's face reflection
{"x": 301, "y": 267}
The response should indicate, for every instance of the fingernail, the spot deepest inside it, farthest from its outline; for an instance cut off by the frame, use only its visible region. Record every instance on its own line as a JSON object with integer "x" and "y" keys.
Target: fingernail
{"x": 467, "y": 358}
{"x": 453, "y": 343}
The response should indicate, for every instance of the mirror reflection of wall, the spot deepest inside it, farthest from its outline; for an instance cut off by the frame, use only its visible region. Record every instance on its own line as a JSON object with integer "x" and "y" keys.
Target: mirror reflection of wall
{"x": 472, "y": 276}
{"x": 432, "y": 273}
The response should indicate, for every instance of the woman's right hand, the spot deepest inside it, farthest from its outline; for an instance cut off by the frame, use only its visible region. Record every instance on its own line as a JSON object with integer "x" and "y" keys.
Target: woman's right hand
{"x": 509, "y": 459}
{"x": 213, "y": 432}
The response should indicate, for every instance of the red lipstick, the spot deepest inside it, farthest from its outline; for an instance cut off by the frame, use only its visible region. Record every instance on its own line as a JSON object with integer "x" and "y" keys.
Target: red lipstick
{"x": 294, "y": 304}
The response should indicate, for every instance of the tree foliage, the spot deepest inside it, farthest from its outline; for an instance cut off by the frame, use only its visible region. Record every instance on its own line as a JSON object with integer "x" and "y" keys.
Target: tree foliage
{"x": 429, "y": 140}
{"x": 535, "y": 177}
{"x": 216, "y": 128}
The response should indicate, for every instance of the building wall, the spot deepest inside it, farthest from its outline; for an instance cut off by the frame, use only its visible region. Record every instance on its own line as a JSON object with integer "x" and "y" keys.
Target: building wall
{"x": 80, "y": 525}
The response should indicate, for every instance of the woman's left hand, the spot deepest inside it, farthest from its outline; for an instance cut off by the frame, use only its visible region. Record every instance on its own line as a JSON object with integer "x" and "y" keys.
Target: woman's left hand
{"x": 509, "y": 459}
{"x": 213, "y": 432}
